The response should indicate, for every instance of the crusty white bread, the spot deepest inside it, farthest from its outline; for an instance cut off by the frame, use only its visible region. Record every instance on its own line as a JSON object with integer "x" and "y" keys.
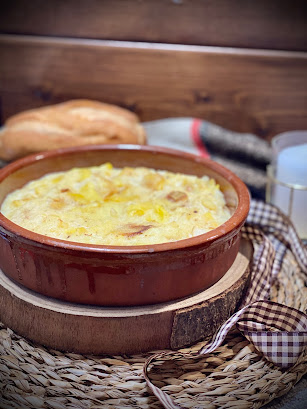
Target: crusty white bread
{"x": 71, "y": 123}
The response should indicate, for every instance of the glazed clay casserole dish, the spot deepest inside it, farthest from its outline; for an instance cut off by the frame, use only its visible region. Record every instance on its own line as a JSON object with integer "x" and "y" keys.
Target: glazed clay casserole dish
{"x": 120, "y": 275}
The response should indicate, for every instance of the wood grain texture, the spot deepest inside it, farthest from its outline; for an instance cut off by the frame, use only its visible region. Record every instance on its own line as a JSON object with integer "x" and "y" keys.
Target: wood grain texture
{"x": 274, "y": 24}
{"x": 247, "y": 91}
{"x": 98, "y": 330}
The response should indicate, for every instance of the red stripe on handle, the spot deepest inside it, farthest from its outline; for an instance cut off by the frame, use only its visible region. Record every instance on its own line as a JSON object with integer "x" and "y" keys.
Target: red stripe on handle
{"x": 194, "y": 133}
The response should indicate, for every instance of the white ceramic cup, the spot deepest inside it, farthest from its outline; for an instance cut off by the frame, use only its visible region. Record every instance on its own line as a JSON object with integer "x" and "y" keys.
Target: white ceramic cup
{"x": 287, "y": 177}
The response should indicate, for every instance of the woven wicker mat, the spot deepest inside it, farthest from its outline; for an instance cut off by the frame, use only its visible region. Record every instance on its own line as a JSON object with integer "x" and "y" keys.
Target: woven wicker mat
{"x": 234, "y": 376}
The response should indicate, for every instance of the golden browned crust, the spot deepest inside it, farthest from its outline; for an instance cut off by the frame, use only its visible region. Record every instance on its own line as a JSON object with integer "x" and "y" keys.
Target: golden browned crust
{"x": 71, "y": 123}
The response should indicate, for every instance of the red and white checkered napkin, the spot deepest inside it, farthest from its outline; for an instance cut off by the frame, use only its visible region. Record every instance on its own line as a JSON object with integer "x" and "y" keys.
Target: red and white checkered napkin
{"x": 277, "y": 331}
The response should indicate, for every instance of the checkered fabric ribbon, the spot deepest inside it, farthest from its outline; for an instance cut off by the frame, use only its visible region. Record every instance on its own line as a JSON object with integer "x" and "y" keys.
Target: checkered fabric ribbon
{"x": 277, "y": 331}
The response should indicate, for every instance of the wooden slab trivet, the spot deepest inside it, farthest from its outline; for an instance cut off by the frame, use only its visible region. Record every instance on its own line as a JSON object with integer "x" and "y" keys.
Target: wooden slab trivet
{"x": 99, "y": 330}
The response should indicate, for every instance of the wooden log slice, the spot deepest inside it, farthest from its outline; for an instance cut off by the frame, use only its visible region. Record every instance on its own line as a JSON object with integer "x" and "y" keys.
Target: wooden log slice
{"x": 100, "y": 330}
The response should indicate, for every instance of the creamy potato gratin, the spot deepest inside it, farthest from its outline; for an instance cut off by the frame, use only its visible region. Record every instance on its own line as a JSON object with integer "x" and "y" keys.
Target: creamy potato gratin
{"x": 113, "y": 206}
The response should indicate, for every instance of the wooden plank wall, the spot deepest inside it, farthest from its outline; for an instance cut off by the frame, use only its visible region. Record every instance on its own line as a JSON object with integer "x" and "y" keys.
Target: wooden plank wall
{"x": 273, "y": 24}
{"x": 240, "y": 64}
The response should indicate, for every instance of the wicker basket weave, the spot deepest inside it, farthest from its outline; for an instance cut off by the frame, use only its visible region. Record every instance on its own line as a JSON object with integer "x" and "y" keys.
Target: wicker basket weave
{"x": 234, "y": 376}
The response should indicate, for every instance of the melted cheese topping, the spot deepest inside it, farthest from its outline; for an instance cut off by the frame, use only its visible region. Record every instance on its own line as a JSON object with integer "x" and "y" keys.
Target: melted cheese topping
{"x": 111, "y": 206}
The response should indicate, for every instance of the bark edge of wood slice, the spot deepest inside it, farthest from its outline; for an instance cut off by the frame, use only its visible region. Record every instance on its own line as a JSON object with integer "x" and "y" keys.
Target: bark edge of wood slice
{"x": 101, "y": 330}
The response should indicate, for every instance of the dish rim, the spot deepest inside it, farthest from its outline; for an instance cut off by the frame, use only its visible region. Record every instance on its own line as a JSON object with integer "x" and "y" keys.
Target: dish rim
{"x": 235, "y": 221}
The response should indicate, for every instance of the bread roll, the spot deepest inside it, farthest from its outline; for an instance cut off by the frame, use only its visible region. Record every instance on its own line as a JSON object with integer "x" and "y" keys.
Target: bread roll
{"x": 71, "y": 123}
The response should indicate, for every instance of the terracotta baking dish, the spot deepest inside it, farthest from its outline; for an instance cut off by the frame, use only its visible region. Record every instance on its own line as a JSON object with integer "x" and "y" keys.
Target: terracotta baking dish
{"x": 119, "y": 276}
